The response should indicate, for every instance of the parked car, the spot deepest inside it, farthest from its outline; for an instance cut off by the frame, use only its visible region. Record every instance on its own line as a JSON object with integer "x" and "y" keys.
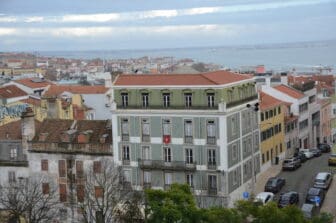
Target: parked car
{"x": 264, "y": 198}
{"x": 323, "y": 180}
{"x": 324, "y": 147}
{"x": 289, "y": 198}
{"x": 302, "y": 157}
{"x": 307, "y": 153}
{"x": 291, "y": 163}
{"x": 332, "y": 159}
{"x": 316, "y": 152}
{"x": 309, "y": 210}
{"x": 274, "y": 184}
{"x": 313, "y": 193}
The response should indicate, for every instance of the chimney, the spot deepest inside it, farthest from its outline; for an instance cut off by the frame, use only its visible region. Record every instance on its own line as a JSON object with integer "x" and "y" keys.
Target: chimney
{"x": 28, "y": 124}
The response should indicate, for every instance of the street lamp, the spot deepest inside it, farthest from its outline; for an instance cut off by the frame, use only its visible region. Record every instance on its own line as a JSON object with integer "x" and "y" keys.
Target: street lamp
{"x": 255, "y": 108}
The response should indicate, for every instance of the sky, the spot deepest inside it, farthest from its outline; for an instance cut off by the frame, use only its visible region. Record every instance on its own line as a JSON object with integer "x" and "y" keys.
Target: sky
{"x": 48, "y": 25}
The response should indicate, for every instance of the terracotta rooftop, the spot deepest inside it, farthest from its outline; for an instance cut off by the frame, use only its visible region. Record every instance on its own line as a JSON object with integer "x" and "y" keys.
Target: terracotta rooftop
{"x": 32, "y": 101}
{"x": 55, "y": 90}
{"x": 11, "y": 91}
{"x": 13, "y": 130}
{"x": 290, "y": 118}
{"x": 55, "y": 127}
{"x": 267, "y": 101}
{"x": 289, "y": 91}
{"x": 210, "y": 78}
{"x": 34, "y": 82}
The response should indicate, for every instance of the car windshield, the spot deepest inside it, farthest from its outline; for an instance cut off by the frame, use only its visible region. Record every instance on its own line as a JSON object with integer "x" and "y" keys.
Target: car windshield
{"x": 313, "y": 192}
{"x": 333, "y": 155}
{"x": 271, "y": 182}
{"x": 284, "y": 198}
{"x": 319, "y": 181}
{"x": 287, "y": 161}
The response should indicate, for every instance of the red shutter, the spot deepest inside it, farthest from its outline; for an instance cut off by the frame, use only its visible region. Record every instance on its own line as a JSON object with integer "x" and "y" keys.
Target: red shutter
{"x": 62, "y": 192}
{"x": 61, "y": 168}
{"x": 80, "y": 193}
{"x": 79, "y": 169}
{"x": 97, "y": 167}
{"x": 44, "y": 165}
{"x": 99, "y": 192}
{"x": 45, "y": 188}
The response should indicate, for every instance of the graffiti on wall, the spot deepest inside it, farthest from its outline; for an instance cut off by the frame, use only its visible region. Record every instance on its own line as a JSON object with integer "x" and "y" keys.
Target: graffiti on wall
{"x": 12, "y": 111}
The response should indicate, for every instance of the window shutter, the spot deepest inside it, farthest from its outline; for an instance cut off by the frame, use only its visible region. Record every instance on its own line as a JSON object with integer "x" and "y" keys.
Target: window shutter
{"x": 61, "y": 168}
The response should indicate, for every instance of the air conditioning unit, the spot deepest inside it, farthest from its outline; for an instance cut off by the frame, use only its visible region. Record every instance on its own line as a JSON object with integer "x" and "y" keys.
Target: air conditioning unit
{"x": 107, "y": 105}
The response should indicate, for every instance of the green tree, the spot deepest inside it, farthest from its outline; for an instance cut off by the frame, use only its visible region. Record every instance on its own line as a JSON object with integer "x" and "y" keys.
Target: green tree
{"x": 222, "y": 215}
{"x": 323, "y": 218}
{"x": 174, "y": 205}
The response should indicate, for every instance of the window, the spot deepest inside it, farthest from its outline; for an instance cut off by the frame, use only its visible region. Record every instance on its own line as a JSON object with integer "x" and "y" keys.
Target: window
{"x": 279, "y": 110}
{"x": 266, "y": 115}
{"x": 80, "y": 193}
{"x": 124, "y": 99}
{"x": 145, "y": 101}
{"x": 280, "y": 147}
{"x": 97, "y": 167}
{"x": 79, "y": 169}
{"x": 13, "y": 153}
{"x": 63, "y": 192}
{"x": 146, "y": 153}
{"x": 188, "y": 99}
{"x": 271, "y": 113}
{"x": 188, "y": 131}
{"x": 124, "y": 129}
{"x": 230, "y": 95}
{"x": 267, "y": 155}
{"x": 61, "y": 168}
{"x": 45, "y": 188}
{"x": 211, "y": 100}
{"x": 211, "y": 158}
{"x": 147, "y": 177}
{"x": 263, "y": 158}
{"x": 167, "y": 154}
{"x": 166, "y": 100}
{"x": 168, "y": 178}
{"x": 190, "y": 179}
{"x": 235, "y": 177}
{"x": 145, "y": 127}
{"x": 127, "y": 176}
{"x": 303, "y": 107}
{"x": 303, "y": 124}
{"x": 11, "y": 177}
{"x": 233, "y": 125}
{"x": 274, "y": 111}
{"x": 234, "y": 152}
{"x": 44, "y": 165}
{"x": 125, "y": 153}
{"x": 189, "y": 156}
{"x": 289, "y": 144}
{"x": 212, "y": 180}
{"x": 166, "y": 128}
{"x": 99, "y": 192}
{"x": 262, "y": 116}
{"x": 211, "y": 132}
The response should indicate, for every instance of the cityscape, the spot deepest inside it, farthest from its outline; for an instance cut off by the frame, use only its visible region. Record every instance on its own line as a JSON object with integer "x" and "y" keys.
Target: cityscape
{"x": 196, "y": 112}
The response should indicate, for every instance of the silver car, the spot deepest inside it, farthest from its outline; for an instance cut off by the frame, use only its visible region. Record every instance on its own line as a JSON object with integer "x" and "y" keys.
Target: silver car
{"x": 323, "y": 180}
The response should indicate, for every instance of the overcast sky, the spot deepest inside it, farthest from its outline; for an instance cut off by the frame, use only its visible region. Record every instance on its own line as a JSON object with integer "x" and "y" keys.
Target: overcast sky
{"x": 29, "y": 25}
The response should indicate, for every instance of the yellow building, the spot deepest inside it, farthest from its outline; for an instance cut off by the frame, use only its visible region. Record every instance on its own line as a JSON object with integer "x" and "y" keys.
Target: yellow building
{"x": 272, "y": 130}
{"x": 57, "y": 108}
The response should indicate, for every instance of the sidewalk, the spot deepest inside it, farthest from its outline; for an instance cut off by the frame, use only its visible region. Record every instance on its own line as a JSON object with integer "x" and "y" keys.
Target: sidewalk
{"x": 329, "y": 204}
{"x": 262, "y": 178}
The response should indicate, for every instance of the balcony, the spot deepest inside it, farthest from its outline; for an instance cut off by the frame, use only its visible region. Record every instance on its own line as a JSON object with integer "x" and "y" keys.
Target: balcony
{"x": 126, "y": 162}
{"x": 211, "y": 140}
{"x": 241, "y": 101}
{"x": 212, "y": 191}
{"x": 125, "y": 137}
{"x": 13, "y": 162}
{"x": 304, "y": 87}
{"x": 212, "y": 165}
{"x": 145, "y": 138}
{"x": 162, "y": 165}
{"x": 188, "y": 139}
{"x": 175, "y": 107}
{"x": 147, "y": 185}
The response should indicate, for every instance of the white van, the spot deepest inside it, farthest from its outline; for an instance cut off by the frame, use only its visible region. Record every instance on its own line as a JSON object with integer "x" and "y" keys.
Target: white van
{"x": 323, "y": 180}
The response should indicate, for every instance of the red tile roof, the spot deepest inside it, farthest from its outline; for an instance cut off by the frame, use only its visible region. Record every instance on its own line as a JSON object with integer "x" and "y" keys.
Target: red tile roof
{"x": 34, "y": 82}
{"x": 32, "y": 101}
{"x": 55, "y": 90}
{"x": 267, "y": 101}
{"x": 210, "y": 78}
{"x": 11, "y": 91}
{"x": 56, "y": 127}
{"x": 289, "y": 91}
{"x": 13, "y": 129}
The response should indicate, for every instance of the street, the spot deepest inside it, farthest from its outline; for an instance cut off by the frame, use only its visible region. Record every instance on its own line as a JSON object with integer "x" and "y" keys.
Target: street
{"x": 301, "y": 180}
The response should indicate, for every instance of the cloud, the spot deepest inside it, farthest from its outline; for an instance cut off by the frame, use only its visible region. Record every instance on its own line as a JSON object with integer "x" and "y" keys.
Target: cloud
{"x": 106, "y": 31}
{"x": 152, "y": 14}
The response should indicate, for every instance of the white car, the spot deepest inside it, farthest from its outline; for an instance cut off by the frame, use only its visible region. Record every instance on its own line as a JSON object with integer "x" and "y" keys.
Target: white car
{"x": 307, "y": 153}
{"x": 264, "y": 197}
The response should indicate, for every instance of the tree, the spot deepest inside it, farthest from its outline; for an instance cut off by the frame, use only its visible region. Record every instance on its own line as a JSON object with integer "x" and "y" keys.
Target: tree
{"x": 323, "y": 218}
{"x": 174, "y": 205}
{"x": 131, "y": 211}
{"x": 222, "y": 215}
{"x": 105, "y": 192}
{"x": 28, "y": 199}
